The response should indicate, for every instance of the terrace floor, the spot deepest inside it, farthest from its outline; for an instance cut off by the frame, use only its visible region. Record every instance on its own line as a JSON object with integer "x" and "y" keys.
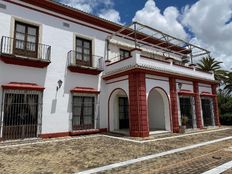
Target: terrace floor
{"x": 77, "y": 154}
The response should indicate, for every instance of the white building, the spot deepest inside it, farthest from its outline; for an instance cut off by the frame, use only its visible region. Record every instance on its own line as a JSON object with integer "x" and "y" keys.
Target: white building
{"x": 66, "y": 72}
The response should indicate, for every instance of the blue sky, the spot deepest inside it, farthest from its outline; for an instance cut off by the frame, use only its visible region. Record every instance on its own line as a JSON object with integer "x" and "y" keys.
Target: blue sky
{"x": 128, "y": 8}
{"x": 206, "y": 23}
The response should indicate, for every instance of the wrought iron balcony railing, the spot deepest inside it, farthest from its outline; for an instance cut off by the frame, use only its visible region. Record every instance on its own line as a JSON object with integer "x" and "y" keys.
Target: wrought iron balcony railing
{"x": 85, "y": 61}
{"x": 25, "y": 49}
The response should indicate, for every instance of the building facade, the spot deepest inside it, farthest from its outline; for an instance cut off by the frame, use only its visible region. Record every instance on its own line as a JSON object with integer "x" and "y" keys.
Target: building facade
{"x": 65, "y": 72}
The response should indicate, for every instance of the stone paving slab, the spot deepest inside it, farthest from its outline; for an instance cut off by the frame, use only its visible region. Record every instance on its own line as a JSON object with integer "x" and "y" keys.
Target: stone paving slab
{"x": 81, "y": 154}
{"x": 188, "y": 162}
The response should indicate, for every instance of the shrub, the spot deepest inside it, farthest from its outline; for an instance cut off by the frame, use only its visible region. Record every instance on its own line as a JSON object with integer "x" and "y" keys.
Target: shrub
{"x": 226, "y": 119}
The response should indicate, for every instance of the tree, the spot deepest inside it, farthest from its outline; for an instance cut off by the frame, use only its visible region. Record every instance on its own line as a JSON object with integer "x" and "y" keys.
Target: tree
{"x": 228, "y": 83}
{"x": 209, "y": 64}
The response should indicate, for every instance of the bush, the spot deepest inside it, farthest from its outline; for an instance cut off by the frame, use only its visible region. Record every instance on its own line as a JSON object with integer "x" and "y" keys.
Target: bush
{"x": 226, "y": 119}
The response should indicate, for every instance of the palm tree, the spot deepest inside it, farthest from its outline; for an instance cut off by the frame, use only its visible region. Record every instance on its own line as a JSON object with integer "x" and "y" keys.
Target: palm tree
{"x": 209, "y": 64}
{"x": 228, "y": 83}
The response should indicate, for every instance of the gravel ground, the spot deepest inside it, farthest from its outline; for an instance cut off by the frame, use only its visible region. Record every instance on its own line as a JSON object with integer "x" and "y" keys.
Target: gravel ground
{"x": 81, "y": 154}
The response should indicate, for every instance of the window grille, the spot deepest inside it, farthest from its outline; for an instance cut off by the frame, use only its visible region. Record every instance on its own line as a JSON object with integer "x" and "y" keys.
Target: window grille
{"x": 21, "y": 114}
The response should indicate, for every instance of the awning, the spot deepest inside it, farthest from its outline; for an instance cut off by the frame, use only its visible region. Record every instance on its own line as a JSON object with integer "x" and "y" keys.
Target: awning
{"x": 207, "y": 94}
{"x": 186, "y": 92}
{"x": 23, "y": 86}
{"x": 85, "y": 90}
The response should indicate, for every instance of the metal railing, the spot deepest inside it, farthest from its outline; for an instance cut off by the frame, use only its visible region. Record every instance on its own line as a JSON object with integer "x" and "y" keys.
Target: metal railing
{"x": 75, "y": 60}
{"x": 25, "y": 49}
{"x": 117, "y": 58}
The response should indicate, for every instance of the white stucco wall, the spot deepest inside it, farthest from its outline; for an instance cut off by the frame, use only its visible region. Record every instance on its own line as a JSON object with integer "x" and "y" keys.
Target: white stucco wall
{"x": 57, "y": 107}
{"x": 186, "y": 85}
{"x": 205, "y": 88}
{"x": 158, "y": 97}
{"x": 115, "y": 89}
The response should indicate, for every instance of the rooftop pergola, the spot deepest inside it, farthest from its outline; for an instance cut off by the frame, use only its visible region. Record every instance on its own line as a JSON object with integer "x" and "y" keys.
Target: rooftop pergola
{"x": 143, "y": 35}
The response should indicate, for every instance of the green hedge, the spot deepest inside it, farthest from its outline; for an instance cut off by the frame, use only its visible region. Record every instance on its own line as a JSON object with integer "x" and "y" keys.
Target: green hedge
{"x": 226, "y": 119}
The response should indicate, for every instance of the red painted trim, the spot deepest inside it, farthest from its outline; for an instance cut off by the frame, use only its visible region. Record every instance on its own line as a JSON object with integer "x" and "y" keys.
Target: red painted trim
{"x": 119, "y": 61}
{"x": 85, "y": 17}
{"x": 24, "y": 61}
{"x": 109, "y": 104}
{"x": 54, "y": 135}
{"x": 174, "y": 106}
{"x": 163, "y": 61}
{"x": 73, "y": 133}
{"x": 84, "y": 132}
{"x": 186, "y": 92}
{"x": 198, "y": 108}
{"x": 153, "y": 72}
{"x": 116, "y": 81}
{"x": 84, "y": 90}
{"x": 23, "y": 86}
{"x": 138, "y": 106}
{"x": 84, "y": 70}
{"x": 207, "y": 94}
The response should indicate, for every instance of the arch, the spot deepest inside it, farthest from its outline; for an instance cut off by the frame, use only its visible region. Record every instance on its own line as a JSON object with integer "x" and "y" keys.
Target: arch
{"x": 113, "y": 108}
{"x": 159, "y": 110}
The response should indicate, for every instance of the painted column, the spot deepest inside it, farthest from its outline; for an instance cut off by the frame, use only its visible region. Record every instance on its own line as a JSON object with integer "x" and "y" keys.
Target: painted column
{"x": 215, "y": 104}
{"x": 174, "y": 106}
{"x": 197, "y": 99}
{"x": 138, "y": 105}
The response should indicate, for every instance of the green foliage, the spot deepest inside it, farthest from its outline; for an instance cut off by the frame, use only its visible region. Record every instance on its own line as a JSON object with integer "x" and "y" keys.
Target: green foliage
{"x": 228, "y": 83}
{"x": 209, "y": 64}
{"x": 226, "y": 119}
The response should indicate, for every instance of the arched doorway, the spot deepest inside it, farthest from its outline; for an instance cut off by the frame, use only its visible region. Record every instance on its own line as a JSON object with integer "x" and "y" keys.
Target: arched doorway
{"x": 118, "y": 111}
{"x": 158, "y": 110}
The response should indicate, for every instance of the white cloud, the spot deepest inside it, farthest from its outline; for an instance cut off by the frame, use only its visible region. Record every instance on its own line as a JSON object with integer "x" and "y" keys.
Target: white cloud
{"x": 103, "y": 8}
{"x": 88, "y": 5}
{"x": 211, "y": 23}
{"x": 110, "y": 14}
{"x": 167, "y": 22}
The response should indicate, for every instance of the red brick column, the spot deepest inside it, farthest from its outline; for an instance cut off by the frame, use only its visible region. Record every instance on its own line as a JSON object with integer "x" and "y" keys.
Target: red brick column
{"x": 197, "y": 99}
{"x": 138, "y": 105}
{"x": 215, "y": 105}
{"x": 174, "y": 107}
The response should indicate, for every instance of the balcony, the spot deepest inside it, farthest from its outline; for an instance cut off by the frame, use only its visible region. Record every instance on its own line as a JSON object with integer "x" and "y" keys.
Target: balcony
{"x": 24, "y": 53}
{"x": 156, "y": 65}
{"x": 93, "y": 65}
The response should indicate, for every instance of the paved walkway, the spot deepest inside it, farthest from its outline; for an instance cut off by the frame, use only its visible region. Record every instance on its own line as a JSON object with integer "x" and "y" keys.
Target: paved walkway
{"x": 70, "y": 155}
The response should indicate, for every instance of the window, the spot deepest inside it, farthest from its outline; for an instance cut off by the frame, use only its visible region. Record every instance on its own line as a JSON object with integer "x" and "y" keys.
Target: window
{"x": 26, "y": 39}
{"x": 21, "y": 114}
{"x": 207, "y": 111}
{"x": 83, "y": 52}
{"x": 124, "y": 54}
{"x": 123, "y": 113}
{"x": 83, "y": 112}
{"x": 186, "y": 110}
